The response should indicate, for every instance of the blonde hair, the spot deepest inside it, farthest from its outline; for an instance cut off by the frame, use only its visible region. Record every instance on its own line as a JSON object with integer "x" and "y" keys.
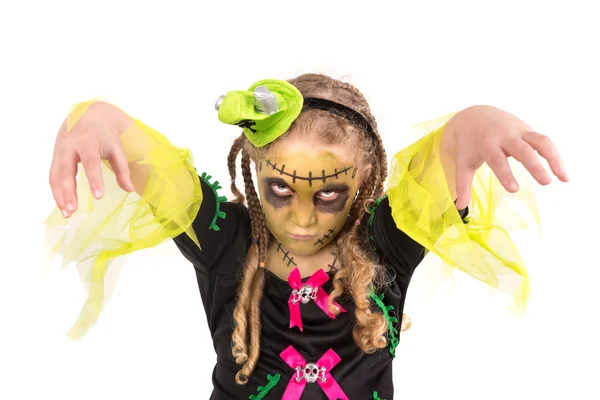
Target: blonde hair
{"x": 358, "y": 272}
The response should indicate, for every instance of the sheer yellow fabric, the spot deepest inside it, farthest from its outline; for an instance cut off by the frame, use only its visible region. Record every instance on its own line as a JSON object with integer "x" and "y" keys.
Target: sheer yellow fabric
{"x": 103, "y": 231}
{"x": 422, "y": 207}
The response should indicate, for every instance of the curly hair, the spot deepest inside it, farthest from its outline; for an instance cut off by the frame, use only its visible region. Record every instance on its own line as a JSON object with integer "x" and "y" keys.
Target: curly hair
{"x": 358, "y": 271}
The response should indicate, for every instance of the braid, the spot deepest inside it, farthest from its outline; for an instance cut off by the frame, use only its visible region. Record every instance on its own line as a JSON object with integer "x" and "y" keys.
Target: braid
{"x": 380, "y": 155}
{"x": 252, "y": 286}
{"x": 233, "y": 153}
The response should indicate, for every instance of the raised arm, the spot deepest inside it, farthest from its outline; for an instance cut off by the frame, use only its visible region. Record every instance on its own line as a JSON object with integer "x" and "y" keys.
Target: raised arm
{"x": 453, "y": 166}
{"x": 100, "y": 218}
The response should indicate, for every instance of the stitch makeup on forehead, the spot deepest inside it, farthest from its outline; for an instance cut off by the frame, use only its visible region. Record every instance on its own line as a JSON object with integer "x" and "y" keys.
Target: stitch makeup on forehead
{"x": 322, "y": 177}
{"x": 325, "y": 179}
{"x": 308, "y": 162}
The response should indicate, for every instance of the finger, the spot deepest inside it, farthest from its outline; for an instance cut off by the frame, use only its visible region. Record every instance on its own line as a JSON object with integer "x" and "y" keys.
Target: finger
{"x": 526, "y": 155}
{"x": 546, "y": 148}
{"x": 90, "y": 158}
{"x": 120, "y": 166}
{"x": 498, "y": 163}
{"x": 464, "y": 183}
{"x": 63, "y": 183}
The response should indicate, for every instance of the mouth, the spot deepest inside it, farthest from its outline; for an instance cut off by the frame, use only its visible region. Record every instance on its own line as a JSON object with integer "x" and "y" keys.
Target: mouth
{"x": 302, "y": 237}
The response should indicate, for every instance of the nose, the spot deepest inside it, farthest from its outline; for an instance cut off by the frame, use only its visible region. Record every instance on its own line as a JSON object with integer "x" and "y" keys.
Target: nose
{"x": 304, "y": 215}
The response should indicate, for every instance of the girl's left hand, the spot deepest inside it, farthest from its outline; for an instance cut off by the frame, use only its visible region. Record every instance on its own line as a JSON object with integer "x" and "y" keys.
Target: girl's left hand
{"x": 487, "y": 134}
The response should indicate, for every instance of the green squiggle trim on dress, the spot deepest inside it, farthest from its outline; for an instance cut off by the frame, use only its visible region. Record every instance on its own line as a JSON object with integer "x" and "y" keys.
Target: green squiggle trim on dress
{"x": 391, "y": 321}
{"x": 218, "y": 200}
{"x": 371, "y": 210}
{"x": 264, "y": 390}
{"x": 376, "y": 396}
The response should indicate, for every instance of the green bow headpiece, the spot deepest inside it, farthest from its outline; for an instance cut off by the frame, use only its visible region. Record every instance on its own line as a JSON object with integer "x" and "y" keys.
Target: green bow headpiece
{"x": 267, "y": 110}
{"x": 264, "y": 112}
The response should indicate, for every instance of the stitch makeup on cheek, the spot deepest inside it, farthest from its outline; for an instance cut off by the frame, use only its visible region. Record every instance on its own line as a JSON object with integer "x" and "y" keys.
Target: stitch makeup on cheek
{"x": 286, "y": 257}
{"x": 323, "y": 240}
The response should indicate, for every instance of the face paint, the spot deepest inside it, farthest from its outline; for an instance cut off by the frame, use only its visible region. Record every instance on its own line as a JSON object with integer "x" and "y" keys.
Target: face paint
{"x": 323, "y": 240}
{"x": 273, "y": 188}
{"x": 338, "y": 199}
{"x": 306, "y": 190}
{"x": 286, "y": 255}
{"x": 332, "y": 265}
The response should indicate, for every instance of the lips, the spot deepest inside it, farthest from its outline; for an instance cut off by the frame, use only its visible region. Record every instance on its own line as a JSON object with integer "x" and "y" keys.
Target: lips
{"x": 302, "y": 237}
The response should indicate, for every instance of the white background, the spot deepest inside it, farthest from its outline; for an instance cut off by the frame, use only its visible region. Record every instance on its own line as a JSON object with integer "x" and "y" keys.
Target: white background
{"x": 167, "y": 64}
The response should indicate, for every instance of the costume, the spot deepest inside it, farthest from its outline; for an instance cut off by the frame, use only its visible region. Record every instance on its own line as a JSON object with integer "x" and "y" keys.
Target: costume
{"x": 218, "y": 271}
{"x": 305, "y": 352}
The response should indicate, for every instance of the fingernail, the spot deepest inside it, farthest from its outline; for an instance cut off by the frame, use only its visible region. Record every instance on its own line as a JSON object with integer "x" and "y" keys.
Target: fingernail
{"x": 70, "y": 207}
{"x": 65, "y": 213}
{"x": 97, "y": 193}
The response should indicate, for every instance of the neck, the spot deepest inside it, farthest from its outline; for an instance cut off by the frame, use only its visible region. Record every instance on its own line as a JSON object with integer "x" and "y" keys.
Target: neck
{"x": 281, "y": 261}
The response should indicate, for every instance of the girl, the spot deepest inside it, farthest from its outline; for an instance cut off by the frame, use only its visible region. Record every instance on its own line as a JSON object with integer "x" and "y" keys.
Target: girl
{"x": 303, "y": 276}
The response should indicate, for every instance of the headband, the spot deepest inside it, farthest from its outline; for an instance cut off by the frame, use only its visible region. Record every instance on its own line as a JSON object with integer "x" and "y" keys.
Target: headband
{"x": 269, "y": 107}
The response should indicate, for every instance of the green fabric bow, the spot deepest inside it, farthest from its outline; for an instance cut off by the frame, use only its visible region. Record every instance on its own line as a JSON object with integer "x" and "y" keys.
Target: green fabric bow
{"x": 264, "y": 112}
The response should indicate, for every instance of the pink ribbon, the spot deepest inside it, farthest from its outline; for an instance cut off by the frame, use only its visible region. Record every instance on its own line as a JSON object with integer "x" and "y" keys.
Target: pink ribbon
{"x": 311, "y": 285}
{"x": 323, "y": 377}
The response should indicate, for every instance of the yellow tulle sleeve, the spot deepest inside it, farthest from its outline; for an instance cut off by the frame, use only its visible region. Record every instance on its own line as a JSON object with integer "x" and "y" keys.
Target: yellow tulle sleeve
{"x": 480, "y": 246}
{"x": 102, "y": 232}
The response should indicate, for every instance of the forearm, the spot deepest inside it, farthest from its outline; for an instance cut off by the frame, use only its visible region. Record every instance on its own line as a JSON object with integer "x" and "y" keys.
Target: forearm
{"x": 439, "y": 149}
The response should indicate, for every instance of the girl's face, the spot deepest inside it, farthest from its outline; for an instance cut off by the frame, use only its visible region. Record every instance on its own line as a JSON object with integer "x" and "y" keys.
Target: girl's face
{"x": 306, "y": 190}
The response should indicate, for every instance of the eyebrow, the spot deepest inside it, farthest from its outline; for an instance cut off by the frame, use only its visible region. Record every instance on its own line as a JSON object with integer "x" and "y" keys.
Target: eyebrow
{"x": 338, "y": 187}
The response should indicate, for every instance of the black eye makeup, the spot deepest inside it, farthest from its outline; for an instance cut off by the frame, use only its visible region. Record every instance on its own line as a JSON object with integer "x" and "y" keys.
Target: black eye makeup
{"x": 331, "y": 198}
{"x": 334, "y": 206}
{"x": 277, "y": 192}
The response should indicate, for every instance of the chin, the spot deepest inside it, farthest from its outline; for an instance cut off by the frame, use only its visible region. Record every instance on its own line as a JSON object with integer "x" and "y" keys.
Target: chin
{"x": 301, "y": 247}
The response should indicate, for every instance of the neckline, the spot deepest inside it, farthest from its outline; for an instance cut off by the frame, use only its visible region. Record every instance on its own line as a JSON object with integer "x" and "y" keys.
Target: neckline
{"x": 329, "y": 273}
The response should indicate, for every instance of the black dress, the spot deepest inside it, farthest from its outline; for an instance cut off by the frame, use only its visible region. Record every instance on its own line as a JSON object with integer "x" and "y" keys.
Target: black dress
{"x": 218, "y": 267}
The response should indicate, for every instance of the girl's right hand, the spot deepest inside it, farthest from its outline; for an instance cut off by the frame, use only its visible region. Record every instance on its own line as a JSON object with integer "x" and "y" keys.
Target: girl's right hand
{"x": 93, "y": 138}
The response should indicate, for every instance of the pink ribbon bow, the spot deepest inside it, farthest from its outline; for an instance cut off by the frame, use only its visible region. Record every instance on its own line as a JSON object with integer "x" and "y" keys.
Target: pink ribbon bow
{"x": 310, "y": 373}
{"x": 304, "y": 292}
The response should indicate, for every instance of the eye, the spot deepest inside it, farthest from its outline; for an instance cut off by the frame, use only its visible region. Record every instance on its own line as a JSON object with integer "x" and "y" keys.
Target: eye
{"x": 328, "y": 195}
{"x": 280, "y": 189}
